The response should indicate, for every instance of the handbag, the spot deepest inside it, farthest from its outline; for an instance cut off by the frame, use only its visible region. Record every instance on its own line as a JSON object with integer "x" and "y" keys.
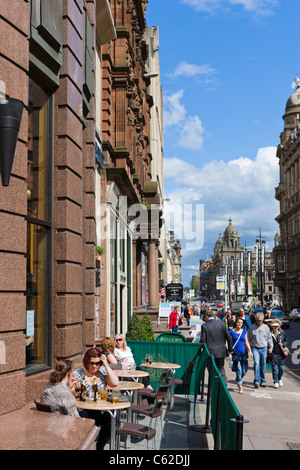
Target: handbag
{"x": 180, "y": 321}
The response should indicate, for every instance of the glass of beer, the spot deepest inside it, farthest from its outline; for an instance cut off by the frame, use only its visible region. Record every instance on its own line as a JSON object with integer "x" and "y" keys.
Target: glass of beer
{"x": 115, "y": 396}
{"x": 103, "y": 394}
{"x": 150, "y": 360}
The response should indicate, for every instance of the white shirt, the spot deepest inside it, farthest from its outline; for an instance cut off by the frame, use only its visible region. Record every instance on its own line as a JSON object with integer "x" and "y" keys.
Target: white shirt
{"x": 127, "y": 355}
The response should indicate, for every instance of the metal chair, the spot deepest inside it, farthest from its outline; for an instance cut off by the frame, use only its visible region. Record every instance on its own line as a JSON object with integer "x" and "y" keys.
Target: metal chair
{"x": 150, "y": 393}
{"x": 42, "y": 407}
{"x": 139, "y": 430}
{"x": 186, "y": 380}
{"x": 153, "y": 412}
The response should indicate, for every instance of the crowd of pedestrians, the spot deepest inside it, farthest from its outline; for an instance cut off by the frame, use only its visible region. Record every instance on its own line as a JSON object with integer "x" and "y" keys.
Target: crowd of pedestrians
{"x": 239, "y": 339}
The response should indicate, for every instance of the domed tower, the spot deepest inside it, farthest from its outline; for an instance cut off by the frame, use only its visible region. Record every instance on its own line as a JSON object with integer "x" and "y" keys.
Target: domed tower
{"x": 231, "y": 236}
{"x": 292, "y": 113}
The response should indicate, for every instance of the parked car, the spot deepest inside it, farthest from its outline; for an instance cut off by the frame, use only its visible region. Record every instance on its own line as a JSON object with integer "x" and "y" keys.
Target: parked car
{"x": 235, "y": 306}
{"x": 278, "y": 314}
{"x": 295, "y": 314}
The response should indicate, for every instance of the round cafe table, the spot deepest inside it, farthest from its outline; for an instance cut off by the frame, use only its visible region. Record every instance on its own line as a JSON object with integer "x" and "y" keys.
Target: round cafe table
{"x": 165, "y": 366}
{"x": 111, "y": 408}
{"x": 135, "y": 375}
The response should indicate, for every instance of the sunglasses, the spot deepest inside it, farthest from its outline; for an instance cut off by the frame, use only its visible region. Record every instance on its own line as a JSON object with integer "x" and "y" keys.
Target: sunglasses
{"x": 119, "y": 339}
{"x": 95, "y": 363}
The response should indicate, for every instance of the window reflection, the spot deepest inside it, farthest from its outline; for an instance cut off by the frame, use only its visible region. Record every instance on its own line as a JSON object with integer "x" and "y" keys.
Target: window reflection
{"x": 38, "y": 228}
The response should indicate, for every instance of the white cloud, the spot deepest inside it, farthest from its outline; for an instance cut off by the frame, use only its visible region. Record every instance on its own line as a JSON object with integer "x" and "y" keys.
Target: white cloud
{"x": 260, "y": 7}
{"x": 191, "y": 70}
{"x": 189, "y": 128}
{"x": 174, "y": 111}
{"x": 191, "y": 134}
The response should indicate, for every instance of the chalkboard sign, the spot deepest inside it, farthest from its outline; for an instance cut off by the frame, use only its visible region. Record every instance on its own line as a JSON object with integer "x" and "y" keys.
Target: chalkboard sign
{"x": 174, "y": 292}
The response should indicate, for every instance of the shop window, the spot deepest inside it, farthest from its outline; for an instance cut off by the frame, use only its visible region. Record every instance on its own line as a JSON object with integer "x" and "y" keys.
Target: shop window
{"x": 38, "y": 286}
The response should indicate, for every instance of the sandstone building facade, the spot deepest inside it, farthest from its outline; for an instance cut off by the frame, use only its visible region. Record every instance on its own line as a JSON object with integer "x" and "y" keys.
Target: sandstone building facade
{"x": 79, "y": 67}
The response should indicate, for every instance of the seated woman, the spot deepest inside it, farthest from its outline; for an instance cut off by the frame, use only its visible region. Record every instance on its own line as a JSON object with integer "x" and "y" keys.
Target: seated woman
{"x": 57, "y": 393}
{"x": 107, "y": 347}
{"x": 123, "y": 352}
{"x": 124, "y": 355}
{"x": 104, "y": 375}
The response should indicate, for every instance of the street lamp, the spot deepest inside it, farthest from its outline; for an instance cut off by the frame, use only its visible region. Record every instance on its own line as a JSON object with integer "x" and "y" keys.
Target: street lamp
{"x": 10, "y": 119}
{"x": 260, "y": 249}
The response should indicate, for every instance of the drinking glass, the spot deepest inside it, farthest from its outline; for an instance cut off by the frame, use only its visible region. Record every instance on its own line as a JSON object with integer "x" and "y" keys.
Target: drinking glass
{"x": 103, "y": 393}
{"x": 115, "y": 396}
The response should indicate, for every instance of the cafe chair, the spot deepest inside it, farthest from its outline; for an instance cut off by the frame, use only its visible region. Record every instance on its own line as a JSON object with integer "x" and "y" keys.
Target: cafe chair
{"x": 153, "y": 412}
{"x": 186, "y": 379}
{"x": 42, "y": 407}
{"x": 152, "y": 394}
{"x": 136, "y": 430}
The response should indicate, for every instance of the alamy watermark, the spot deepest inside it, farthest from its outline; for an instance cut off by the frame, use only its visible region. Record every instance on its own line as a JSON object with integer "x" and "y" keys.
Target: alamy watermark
{"x": 185, "y": 220}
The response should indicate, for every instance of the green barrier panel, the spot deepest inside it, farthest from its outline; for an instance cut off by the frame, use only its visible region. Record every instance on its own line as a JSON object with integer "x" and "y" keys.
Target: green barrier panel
{"x": 171, "y": 352}
{"x": 172, "y": 337}
{"x": 201, "y": 365}
{"x": 227, "y": 411}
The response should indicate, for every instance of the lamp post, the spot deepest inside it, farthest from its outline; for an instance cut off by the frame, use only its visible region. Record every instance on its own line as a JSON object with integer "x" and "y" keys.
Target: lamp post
{"x": 260, "y": 249}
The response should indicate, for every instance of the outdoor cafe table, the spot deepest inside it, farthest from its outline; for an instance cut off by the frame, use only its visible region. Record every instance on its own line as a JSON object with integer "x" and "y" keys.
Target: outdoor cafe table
{"x": 165, "y": 366}
{"x": 112, "y": 409}
{"x": 136, "y": 375}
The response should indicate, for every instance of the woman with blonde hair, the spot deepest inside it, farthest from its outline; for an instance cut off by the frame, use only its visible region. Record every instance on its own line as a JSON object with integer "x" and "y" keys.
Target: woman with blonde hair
{"x": 124, "y": 355}
{"x": 123, "y": 352}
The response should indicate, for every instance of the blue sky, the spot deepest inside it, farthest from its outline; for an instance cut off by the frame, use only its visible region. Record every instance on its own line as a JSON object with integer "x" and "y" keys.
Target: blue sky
{"x": 227, "y": 70}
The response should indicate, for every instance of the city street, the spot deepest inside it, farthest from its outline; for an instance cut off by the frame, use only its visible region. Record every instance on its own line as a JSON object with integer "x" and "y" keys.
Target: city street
{"x": 293, "y": 360}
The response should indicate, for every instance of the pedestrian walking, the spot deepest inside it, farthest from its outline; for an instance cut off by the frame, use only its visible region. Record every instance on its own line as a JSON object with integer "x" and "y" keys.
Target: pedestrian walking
{"x": 247, "y": 321}
{"x": 229, "y": 319}
{"x": 279, "y": 353}
{"x": 240, "y": 350}
{"x": 215, "y": 335}
{"x": 268, "y": 318}
{"x": 187, "y": 314}
{"x": 175, "y": 320}
{"x": 260, "y": 340}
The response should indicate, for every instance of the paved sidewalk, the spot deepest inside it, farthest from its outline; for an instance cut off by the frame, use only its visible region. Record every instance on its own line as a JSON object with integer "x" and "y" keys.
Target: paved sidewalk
{"x": 273, "y": 414}
{"x": 176, "y": 434}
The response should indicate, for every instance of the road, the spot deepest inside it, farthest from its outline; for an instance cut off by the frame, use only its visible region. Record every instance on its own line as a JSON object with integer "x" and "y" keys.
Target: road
{"x": 292, "y": 363}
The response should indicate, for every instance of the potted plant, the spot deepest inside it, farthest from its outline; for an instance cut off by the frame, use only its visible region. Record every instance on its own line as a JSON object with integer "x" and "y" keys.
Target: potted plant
{"x": 99, "y": 251}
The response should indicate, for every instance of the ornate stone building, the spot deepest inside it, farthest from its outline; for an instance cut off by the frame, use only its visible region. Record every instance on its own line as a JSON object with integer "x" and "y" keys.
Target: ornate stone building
{"x": 79, "y": 68}
{"x": 240, "y": 267}
{"x": 287, "y": 249}
{"x": 128, "y": 182}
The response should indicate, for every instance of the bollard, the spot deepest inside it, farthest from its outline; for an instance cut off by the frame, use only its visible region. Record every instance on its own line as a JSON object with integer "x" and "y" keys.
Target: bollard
{"x": 239, "y": 420}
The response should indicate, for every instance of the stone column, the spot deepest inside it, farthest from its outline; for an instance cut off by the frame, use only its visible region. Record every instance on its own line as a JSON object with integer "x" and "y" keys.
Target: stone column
{"x": 153, "y": 274}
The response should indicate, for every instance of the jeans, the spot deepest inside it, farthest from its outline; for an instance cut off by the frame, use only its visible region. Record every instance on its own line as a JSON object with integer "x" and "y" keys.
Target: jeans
{"x": 240, "y": 372}
{"x": 175, "y": 329}
{"x": 277, "y": 372}
{"x": 260, "y": 359}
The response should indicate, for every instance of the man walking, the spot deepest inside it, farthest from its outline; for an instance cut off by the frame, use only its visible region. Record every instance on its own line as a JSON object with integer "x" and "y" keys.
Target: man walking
{"x": 215, "y": 335}
{"x": 229, "y": 319}
{"x": 260, "y": 339}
